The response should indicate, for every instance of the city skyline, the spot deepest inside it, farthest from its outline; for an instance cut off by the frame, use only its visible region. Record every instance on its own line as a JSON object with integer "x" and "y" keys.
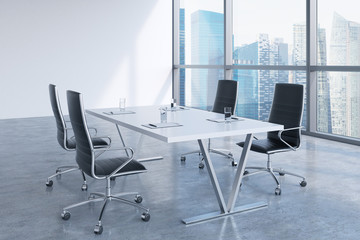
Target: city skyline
{"x": 256, "y": 86}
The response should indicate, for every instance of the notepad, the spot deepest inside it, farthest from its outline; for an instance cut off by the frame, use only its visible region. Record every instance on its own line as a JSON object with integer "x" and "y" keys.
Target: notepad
{"x": 118, "y": 112}
{"x": 222, "y": 120}
{"x": 162, "y": 125}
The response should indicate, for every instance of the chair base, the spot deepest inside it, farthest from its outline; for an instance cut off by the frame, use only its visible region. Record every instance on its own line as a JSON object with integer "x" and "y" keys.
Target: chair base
{"x": 272, "y": 172}
{"x": 66, "y": 169}
{"x": 222, "y": 152}
{"x": 107, "y": 197}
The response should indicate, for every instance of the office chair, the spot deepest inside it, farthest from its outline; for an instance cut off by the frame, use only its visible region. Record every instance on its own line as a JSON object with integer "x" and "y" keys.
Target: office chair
{"x": 226, "y": 96}
{"x": 66, "y": 142}
{"x": 287, "y": 109}
{"x": 105, "y": 168}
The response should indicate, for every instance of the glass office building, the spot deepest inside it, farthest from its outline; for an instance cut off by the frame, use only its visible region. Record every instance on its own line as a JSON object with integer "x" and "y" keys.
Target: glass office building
{"x": 207, "y": 44}
{"x": 345, "y": 87}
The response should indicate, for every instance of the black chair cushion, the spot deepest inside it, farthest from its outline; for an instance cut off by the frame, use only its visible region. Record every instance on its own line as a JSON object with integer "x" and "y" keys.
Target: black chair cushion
{"x": 267, "y": 146}
{"x": 71, "y": 143}
{"x": 104, "y": 167}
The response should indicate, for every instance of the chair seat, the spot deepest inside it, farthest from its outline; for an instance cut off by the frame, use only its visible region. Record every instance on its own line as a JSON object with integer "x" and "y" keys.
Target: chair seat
{"x": 267, "y": 146}
{"x": 71, "y": 143}
{"x": 104, "y": 167}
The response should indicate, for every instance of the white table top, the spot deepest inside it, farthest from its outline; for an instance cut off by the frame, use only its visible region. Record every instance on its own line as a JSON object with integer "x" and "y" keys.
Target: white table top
{"x": 193, "y": 121}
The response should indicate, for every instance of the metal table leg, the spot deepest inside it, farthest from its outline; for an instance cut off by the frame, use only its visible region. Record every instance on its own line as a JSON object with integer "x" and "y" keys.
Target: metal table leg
{"x": 228, "y": 209}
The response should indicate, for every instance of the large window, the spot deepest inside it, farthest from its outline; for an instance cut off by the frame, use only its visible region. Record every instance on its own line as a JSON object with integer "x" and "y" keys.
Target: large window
{"x": 339, "y": 32}
{"x": 202, "y": 32}
{"x": 267, "y": 34}
{"x": 201, "y": 43}
{"x": 338, "y": 91}
{"x": 259, "y": 43}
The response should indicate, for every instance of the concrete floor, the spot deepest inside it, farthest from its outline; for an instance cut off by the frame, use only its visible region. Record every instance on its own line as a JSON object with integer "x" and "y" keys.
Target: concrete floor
{"x": 327, "y": 208}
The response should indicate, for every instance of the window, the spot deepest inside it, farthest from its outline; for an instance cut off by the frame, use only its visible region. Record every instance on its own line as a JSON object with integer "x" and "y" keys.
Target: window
{"x": 338, "y": 46}
{"x": 260, "y": 43}
{"x": 201, "y": 42}
{"x": 201, "y": 32}
{"x": 338, "y": 103}
{"x": 269, "y": 32}
{"x": 339, "y": 32}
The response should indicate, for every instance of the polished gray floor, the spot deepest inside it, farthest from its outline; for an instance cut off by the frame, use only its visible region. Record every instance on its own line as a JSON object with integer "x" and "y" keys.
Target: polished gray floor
{"x": 328, "y": 208}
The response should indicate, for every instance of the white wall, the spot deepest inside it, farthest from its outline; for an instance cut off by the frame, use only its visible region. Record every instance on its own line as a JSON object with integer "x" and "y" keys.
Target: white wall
{"x": 105, "y": 49}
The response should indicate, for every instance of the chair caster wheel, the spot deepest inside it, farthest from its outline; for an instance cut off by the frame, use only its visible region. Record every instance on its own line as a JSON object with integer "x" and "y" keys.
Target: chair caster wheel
{"x": 145, "y": 217}
{"x": 58, "y": 171}
{"x": 277, "y": 191}
{"x": 303, "y": 183}
{"x": 183, "y": 158}
{"x": 49, "y": 183}
{"x": 138, "y": 199}
{"x": 246, "y": 172}
{"x": 98, "y": 229}
{"x": 65, "y": 215}
{"x": 201, "y": 165}
{"x": 281, "y": 174}
{"x": 233, "y": 163}
{"x": 84, "y": 187}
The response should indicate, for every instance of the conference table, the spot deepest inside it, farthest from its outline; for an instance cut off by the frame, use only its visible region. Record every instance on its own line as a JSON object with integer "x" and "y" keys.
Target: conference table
{"x": 189, "y": 124}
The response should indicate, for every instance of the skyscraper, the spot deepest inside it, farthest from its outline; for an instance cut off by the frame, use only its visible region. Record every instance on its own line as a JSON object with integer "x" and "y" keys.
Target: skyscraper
{"x": 256, "y": 87}
{"x": 323, "y": 87}
{"x": 207, "y": 48}
{"x": 323, "y": 110}
{"x": 345, "y": 86}
{"x": 299, "y": 59}
{"x": 248, "y": 82}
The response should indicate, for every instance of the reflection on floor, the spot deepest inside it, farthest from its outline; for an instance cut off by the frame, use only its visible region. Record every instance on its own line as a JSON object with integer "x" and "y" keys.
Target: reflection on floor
{"x": 327, "y": 208}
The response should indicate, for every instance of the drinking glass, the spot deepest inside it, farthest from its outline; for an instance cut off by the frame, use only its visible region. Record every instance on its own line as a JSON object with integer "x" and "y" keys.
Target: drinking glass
{"x": 122, "y": 103}
{"x": 227, "y": 113}
{"x": 163, "y": 114}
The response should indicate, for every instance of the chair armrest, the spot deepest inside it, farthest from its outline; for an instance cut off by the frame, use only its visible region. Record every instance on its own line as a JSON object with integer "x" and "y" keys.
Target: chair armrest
{"x": 94, "y": 129}
{"x": 102, "y": 137}
{"x": 288, "y": 129}
{"x": 131, "y": 157}
{"x": 90, "y": 128}
{"x": 66, "y": 129}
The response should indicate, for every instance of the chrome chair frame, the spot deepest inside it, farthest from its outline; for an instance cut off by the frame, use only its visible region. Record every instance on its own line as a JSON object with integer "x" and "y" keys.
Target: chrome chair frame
{"x": 280, "y": 171}
{"x": 295, "y": 120}
{"x": 106, "y": 197}
{"x": 67, "y": 168}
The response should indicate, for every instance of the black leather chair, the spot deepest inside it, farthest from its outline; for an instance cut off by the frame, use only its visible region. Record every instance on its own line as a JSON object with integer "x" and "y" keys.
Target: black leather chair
{"x": 87, "y": 157}
{"x": 226, "y": 96}
{"x": 66, "y": 142}
{"x": 287, "y": 109}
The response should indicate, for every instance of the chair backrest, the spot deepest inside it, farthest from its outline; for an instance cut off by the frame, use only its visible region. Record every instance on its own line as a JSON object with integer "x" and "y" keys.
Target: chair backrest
{"x": 287, "y": 109}
{"x": 60, "y": 122}
{"x": 226, "y": 96}
{"x": 84, "y": 147}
